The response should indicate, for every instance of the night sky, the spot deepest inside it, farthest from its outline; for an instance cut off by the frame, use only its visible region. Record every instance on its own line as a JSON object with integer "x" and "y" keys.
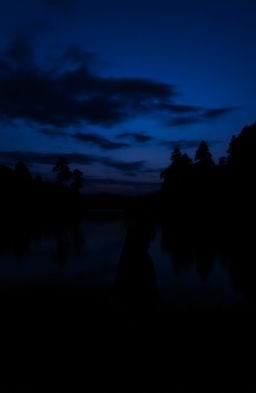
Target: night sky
{"x": 114, "y": 85}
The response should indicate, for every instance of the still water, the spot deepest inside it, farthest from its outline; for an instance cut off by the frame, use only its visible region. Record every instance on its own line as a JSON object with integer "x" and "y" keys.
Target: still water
{"x": 88, "y": 256}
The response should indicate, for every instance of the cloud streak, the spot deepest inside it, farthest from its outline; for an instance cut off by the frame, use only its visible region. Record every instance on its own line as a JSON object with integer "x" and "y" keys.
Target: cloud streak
{"x": 136, "y": 136}
{"x": 100, "y": 141}
{"x": 127, "y": 168}
{"x": 90, "y": 138}
{"x": 107, "y": 144}
{"x": 201, "y": 117}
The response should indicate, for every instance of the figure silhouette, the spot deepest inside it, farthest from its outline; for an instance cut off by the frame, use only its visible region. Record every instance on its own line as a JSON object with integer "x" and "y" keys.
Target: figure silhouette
{"x": 135, "y": 284}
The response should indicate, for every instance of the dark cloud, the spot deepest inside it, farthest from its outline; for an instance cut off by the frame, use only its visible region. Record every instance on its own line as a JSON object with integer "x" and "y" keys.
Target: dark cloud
{"x": 94, "y": 139}
{"x": 187, "y": 144}
{"x": 100, "y": 141}
{"x": 180, "y": 109}
{"x": 53, "y": 133}
{"x": 106, "y": 144}
{"x": 73, "y": 158}
{"x": 45, "y": 158}
{"x": 205, "y": 115}
{"x": 129, "y": 168}
{"x": 69, "y": 92}
{"x": 213, "y": 113}
{"x": 18, "y": 51}
{"x": 184, "y": 121}
{"x": 74, "y": 56}
{"x": 138, "y": 137}
{"x": 153, "y": 170}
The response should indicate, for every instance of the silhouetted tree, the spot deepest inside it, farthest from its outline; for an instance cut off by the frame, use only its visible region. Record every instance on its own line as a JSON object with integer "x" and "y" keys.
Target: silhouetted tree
{"x": 22, "y": 173}
{"x": 242, "y": 148}
{"x": 203, "y": 182}
{"x": 64, "y": 173}
{"x": 174, "y": 176}
{"x": 203, "y": 154}
{"x": 176, "y": 156}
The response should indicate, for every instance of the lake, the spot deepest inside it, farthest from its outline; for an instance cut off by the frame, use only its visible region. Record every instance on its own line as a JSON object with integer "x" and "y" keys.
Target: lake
{"x": 87, "y": 256}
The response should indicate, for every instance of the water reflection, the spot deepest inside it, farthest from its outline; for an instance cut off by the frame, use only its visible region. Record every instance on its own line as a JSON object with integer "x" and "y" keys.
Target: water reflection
{"x": 177, "y": 261}
{"x": 242, "y": 268}
{"x": 135, "y": 284}
{"x": 187, "y": 247}
{"x": 68, "y": 240}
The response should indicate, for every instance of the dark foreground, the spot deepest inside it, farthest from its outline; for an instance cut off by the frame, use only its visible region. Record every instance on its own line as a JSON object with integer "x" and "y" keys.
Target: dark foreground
{"x": 59, "y": 340}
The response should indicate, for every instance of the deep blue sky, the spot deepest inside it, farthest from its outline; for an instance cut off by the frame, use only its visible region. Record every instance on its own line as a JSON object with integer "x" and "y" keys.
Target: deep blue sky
{"x": 115, "y": 84}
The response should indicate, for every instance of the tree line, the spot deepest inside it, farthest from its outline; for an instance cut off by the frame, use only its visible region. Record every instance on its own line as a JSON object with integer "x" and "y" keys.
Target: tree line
{"x": 207, "y": 207}
{"x": 30, "y": 199}
{"x": 192, "y": 189}
{"x": 203, "y": 177}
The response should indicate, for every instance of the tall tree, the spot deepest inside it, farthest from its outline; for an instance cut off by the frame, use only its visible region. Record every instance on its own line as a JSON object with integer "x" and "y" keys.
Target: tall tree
{"x": 176, "y": 156}
{"x": 64, "y": 173}
{"x": 203, "y": 154}
{"x": 242, "y": 148}
{"x": 22, "y": 172}
{"x": 176, "y": 174}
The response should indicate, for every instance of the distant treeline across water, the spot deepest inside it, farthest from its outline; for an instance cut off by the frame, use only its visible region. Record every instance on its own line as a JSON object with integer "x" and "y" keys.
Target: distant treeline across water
{"x": 197, "y": 195}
